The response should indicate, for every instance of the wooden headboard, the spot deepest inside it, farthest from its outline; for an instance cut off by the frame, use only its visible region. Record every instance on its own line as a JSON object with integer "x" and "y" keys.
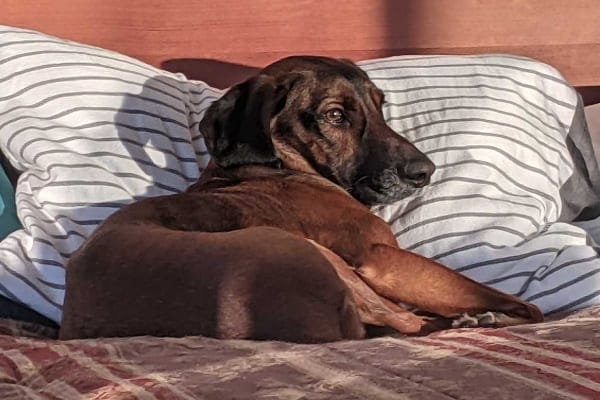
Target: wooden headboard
{"x": 222, "y": 41}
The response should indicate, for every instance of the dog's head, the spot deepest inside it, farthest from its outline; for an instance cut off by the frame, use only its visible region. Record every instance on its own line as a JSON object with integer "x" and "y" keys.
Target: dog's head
{"x": 316, "y": 115}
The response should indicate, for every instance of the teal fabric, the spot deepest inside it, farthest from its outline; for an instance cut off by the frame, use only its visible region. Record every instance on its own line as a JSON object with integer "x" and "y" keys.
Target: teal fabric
{"x": 8, "y": 213}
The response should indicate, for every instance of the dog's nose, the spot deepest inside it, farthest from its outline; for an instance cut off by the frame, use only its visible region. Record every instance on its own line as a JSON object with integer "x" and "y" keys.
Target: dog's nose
{"x": 418, "y": 172}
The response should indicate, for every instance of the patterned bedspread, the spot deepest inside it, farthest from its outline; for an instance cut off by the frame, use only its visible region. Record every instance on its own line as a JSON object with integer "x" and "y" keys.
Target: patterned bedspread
{"x": 554, "y": 360}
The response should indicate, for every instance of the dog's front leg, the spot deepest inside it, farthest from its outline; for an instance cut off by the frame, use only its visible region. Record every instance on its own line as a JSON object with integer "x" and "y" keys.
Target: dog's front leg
{"x": 412, "y": 279}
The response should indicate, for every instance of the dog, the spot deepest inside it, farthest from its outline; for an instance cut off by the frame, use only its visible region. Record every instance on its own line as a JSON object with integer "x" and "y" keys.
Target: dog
{"x": 276, "y": 240}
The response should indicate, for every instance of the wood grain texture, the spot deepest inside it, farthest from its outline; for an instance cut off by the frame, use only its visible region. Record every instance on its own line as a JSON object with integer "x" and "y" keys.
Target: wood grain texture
{"x": 565, "y": 34}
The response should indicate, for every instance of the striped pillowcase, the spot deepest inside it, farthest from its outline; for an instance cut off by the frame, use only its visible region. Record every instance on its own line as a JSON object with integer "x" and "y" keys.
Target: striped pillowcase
{"x": 500, "y": 130}
{"x": 92, "y": 130}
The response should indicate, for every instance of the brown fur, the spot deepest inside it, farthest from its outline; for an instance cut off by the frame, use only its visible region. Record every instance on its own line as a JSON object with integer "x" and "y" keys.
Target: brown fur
{"x": 270, "y": 244}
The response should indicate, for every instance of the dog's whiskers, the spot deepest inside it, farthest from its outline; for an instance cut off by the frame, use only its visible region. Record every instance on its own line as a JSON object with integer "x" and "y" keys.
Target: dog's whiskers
{"x": 362, "y": 178}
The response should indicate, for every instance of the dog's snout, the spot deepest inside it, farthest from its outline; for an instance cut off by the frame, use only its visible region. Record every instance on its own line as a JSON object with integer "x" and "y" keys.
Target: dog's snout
{"x": 418, "y": 172}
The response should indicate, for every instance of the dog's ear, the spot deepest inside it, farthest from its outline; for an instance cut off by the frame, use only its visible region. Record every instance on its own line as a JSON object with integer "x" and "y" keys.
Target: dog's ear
{"x": 236, "y": 128}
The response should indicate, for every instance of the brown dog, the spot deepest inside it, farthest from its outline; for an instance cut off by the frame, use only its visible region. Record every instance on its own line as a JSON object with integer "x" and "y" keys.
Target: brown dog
{"x": 252, "y": 250}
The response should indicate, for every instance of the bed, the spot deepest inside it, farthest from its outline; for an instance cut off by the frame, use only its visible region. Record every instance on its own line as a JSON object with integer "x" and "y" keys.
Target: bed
{"x": 64, "y": 71}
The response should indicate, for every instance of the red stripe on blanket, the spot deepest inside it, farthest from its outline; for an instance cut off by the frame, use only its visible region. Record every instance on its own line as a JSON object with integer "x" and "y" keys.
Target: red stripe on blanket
{"x": 54, "y": 366}
{"x": 530, "y": 355}
{"x": 86, "y": 368}
{"x": 569, "y": 350}
{"x": 105, "y": 355}
{"x": 495, "y": 359}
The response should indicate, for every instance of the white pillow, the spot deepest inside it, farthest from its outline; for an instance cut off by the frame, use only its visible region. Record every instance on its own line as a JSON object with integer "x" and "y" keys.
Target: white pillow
{"x": 92, "y": 130}
{"x": 497, "y": 128}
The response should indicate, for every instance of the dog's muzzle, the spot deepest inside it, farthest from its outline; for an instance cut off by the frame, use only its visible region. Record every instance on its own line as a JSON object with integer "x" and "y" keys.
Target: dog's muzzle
{"x": 393, "y": 183}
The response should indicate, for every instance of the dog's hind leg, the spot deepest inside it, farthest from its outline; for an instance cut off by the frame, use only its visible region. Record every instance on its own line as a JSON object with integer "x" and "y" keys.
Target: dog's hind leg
{"x": 256, "y": 283}
{"x": 406, "y": 277}
{"x": 372, "y": 308}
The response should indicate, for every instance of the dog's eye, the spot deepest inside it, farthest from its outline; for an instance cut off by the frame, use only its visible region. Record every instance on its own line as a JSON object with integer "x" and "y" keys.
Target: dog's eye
{"x": 335, "y": 116}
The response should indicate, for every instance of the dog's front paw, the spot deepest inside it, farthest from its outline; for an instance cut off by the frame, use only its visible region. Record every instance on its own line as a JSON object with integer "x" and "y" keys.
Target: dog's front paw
{"x": 486, "y": 320}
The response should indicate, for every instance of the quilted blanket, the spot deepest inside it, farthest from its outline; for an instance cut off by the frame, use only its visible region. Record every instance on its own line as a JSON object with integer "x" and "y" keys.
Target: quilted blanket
{"x": 554, "y": 360}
